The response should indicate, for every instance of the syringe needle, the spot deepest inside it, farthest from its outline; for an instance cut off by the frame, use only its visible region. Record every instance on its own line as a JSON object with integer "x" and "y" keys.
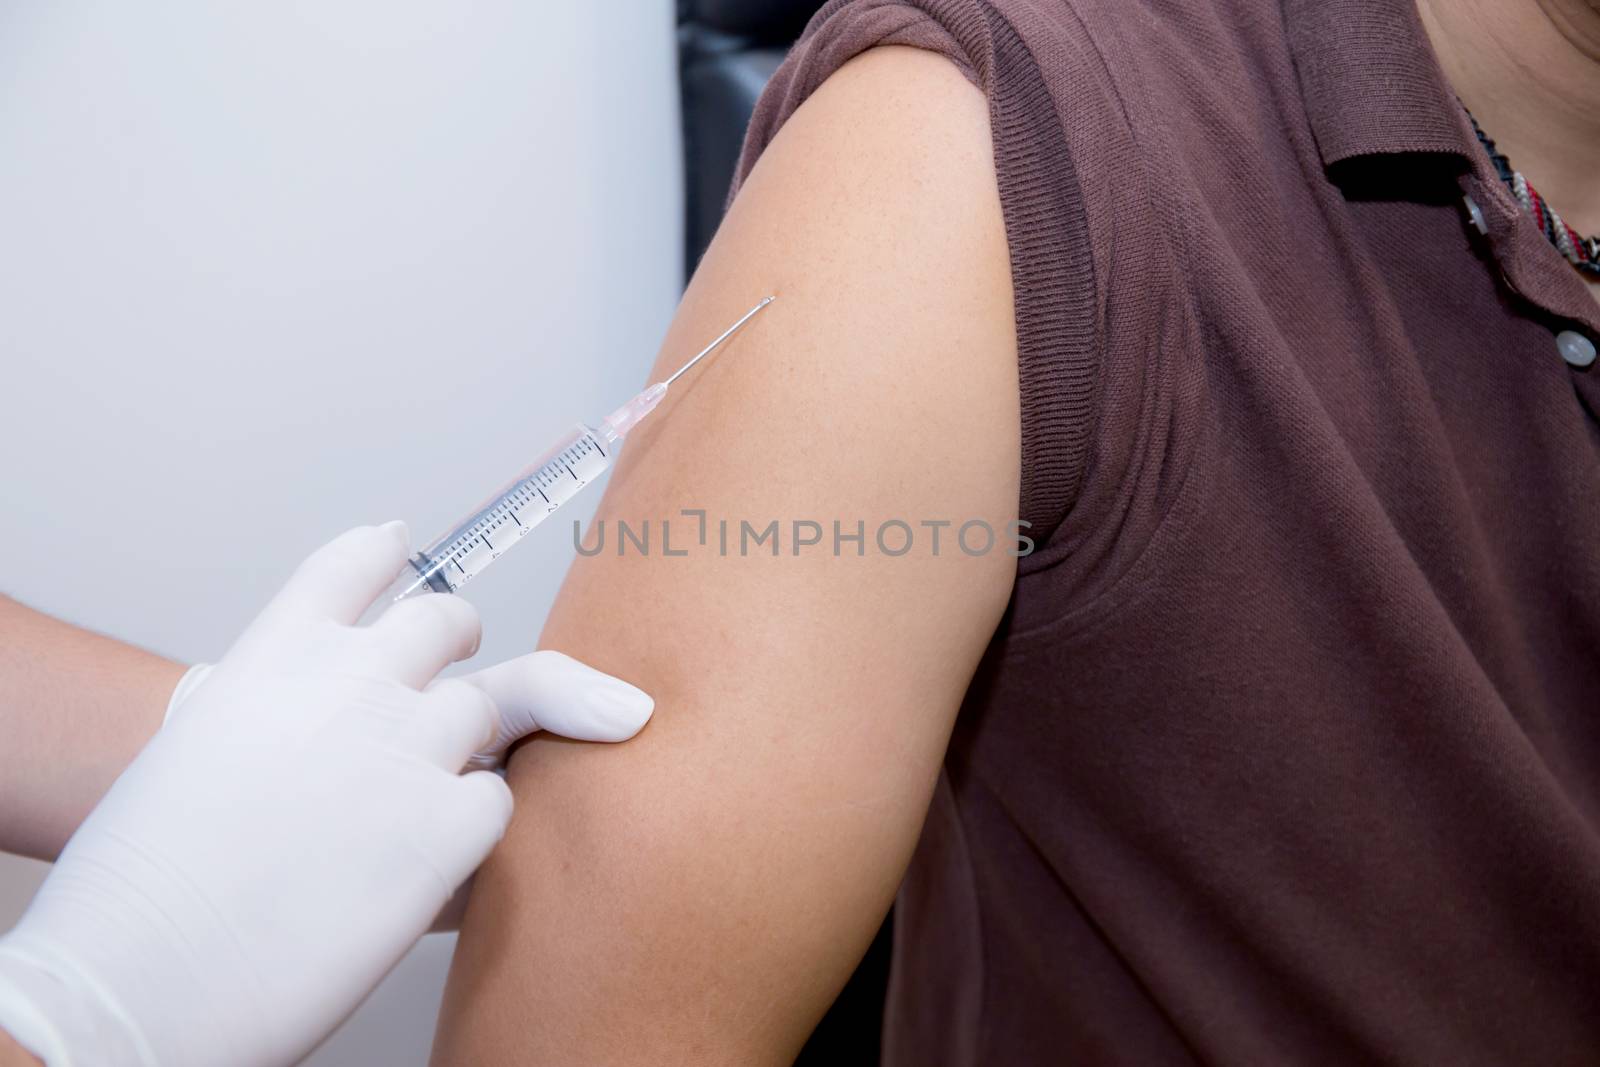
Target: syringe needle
{"x": 577, "y": 460}
{"x": 620, "y": 422}
{"x": 708, "y": 349}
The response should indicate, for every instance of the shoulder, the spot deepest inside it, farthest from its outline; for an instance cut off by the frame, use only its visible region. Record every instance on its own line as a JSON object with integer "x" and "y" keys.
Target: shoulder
{"x": 1010, "y": 98}
{"x": 884, "y": 174}
{"x": 873, "y": 109}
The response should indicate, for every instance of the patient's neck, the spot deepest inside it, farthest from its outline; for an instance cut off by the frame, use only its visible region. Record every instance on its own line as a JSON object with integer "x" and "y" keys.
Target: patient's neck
{"x": 1529, "y": 71}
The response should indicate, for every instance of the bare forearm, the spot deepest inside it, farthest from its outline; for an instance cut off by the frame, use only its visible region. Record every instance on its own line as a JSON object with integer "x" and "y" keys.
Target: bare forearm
{"x": 75, "y": 707}
{"x": 13, "y": 1054}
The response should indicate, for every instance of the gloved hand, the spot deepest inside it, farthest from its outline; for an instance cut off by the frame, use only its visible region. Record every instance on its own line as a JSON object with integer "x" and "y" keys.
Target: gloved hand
{"x": 283, "y": 839}
{"x": 545, "y": 690}
{"x": 542, "y": 690}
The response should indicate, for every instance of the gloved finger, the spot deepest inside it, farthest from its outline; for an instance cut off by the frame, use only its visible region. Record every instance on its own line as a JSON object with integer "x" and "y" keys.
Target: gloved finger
{"x": 546, "y": 690}
{"x": 455, "y": 720}
{"x": 341, "y": 579}
{"x": 469, "y": 819}
{"x": 417, "y": 638}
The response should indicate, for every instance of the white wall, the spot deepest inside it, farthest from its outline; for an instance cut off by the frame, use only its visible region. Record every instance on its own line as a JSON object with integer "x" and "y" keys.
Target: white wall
{"x": 271, "y": 270}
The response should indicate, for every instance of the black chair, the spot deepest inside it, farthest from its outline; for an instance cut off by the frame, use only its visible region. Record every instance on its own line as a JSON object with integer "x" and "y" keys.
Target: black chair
{"x": 727, "y": 49}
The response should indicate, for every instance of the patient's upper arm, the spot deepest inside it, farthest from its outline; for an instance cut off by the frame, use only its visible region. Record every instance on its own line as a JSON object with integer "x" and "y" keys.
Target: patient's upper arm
{"x": 699, "y": 894}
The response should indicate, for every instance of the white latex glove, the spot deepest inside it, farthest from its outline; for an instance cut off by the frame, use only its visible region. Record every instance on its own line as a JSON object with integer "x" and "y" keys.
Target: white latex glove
{"x": 542, "y": 690}
{"x": 280, "y": 843}
{"x": 545, "y": 690}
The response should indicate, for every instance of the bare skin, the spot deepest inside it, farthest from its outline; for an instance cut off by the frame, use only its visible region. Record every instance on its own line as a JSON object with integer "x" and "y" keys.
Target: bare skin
{"x": 1529, "y": 71}
{"x": 13, "y": 1054}
{"x": 700, "y": 894}
{"x": 77, "y": 708}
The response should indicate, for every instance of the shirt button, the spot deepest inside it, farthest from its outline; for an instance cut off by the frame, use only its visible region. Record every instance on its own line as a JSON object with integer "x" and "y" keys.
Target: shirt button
{"x": 1475, "y": 213}
{"x": 1575, "y": 348}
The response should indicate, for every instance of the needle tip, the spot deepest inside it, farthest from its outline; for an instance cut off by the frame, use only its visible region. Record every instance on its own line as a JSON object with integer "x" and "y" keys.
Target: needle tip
{"x": 710, "y": 347}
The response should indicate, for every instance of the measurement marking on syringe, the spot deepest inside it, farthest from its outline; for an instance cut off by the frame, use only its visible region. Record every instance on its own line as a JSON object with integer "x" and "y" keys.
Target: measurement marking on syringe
{"x": 472, "y": 540}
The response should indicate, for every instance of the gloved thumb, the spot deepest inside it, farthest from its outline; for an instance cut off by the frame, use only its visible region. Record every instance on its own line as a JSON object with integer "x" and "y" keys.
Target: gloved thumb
{"x": 546, "y": 690}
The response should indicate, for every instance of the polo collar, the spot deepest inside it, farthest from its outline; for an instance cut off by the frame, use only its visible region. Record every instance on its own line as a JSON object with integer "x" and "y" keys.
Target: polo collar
{"x": 1370, "y": 80}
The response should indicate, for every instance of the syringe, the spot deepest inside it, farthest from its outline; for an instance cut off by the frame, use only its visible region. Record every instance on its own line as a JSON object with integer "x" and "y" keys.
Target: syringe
{"x": 536, "y": 493}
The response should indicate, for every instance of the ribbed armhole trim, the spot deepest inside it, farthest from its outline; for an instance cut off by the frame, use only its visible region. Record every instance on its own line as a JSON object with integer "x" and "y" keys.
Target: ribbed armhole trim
{"x": 1052, "y": 271}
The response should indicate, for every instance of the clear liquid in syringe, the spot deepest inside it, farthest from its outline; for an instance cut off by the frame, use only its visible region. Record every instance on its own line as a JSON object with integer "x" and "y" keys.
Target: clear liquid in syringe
{"x": 535, "y": 494}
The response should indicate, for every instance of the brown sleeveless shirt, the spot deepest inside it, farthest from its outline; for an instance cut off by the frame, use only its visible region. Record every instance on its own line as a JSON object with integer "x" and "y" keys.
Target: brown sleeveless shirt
{"x": 1287, "y": 749}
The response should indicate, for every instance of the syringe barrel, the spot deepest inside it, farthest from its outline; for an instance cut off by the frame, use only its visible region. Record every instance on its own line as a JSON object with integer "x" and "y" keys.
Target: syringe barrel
{"x": 535, "y": 494}
{"x": 506, "y": 516}
{"x": 412, "y": 582}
